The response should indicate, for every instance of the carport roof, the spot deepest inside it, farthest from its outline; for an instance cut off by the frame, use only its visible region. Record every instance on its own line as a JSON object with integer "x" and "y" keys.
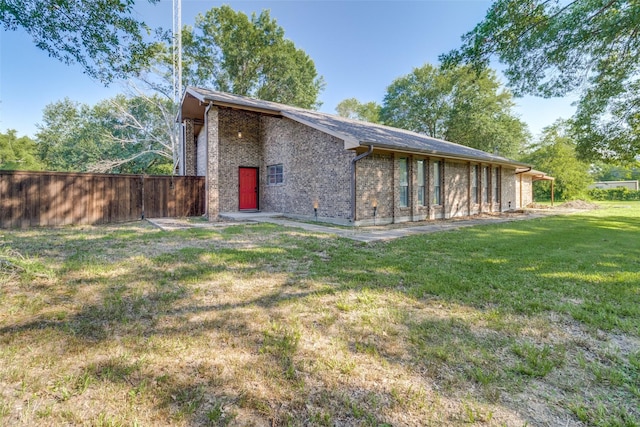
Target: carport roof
{"x": 354, "y": 133}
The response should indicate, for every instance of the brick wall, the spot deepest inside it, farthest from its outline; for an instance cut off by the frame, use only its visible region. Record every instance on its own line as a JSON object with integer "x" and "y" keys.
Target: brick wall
{"x": 213, "y": 187}
{"x": 456, "y": 189}
{"x": 316, "y": 168}
{"x": 190, "y": 148}
{"x": 374, "y": 181}
{"x": 508, "y": 189}
{"x": 236, "y": 152}
{"x": 377, "y": 177}
{"x": 524, "y": 195}
{"x": 201, "y": 154}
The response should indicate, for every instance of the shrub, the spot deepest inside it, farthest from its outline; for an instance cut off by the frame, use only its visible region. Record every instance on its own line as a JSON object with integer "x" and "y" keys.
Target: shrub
{"x": 620, "y": 193}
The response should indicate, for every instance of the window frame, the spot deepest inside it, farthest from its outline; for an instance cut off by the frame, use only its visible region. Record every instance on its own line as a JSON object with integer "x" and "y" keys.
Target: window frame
{"x": 421, "y": 173}
{"x": 475, "y": 175}
{"x": 437, "y": 182}
{"x": 273, "y": 172}
{"x": 403, "y": 187}
{"x": 485, "y": 184}
{"x": 496, "y": 185}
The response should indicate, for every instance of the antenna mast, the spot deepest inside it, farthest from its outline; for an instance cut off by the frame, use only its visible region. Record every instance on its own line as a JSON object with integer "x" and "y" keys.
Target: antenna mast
{"x": 176, "y": 54}
{"x": 177, "y": 50}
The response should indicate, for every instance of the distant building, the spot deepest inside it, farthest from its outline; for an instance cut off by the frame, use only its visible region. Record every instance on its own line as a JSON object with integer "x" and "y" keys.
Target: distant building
{"x": 606, "y": 185}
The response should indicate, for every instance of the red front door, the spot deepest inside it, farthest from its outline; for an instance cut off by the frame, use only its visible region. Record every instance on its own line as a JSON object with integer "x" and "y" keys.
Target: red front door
{"x": 248, "y": 188}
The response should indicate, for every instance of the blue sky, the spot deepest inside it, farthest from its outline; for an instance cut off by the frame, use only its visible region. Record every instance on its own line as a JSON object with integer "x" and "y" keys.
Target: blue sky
{"x": 359, "y": 47}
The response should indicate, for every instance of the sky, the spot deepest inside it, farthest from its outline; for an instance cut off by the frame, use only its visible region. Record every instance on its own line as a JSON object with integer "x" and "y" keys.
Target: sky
{"x": 358, "y": 46}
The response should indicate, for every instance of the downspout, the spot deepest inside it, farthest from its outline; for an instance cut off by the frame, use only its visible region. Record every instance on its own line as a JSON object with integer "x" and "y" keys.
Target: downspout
{"x": 353, "y": 180}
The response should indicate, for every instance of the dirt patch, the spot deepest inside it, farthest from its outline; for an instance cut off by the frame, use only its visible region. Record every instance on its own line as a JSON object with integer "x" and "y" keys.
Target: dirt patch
{"x": 571, "y": 205}
{"x": 535, "y": 205}
{"x": 578, "y": 204}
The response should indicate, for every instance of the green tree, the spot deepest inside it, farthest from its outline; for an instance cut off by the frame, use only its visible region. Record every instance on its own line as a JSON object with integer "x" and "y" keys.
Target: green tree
{"x": 481, "y": 115}
{"x": 225, "y": 51}
{"x": 421, "y": 101}
{"x": 118, "y": 135}
{"x": 553, "y": 47}
{"x": 351, "y": 108}
{"x": 609, "y": 172}
{"x": 228, "y": 51}
{"x": 555, "y": 154}
{"x": 18, "y": 153}
{"x": 66, "y": 139}
{"x": 100, "y": 35}
{"x": 138, "y": 134}
{"x": 457, "y": 105}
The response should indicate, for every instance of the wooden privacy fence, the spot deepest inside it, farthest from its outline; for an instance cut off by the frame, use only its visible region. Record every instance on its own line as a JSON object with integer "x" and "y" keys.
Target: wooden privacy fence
{"x": 29, "y": 199}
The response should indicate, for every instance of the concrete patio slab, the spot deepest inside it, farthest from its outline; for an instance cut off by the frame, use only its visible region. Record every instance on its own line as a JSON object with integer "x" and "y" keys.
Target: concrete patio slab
{"x": 368, "y": 234}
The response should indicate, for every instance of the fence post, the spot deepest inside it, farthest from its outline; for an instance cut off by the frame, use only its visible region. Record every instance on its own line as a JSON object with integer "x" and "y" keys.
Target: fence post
{"x": 142, "y": 194}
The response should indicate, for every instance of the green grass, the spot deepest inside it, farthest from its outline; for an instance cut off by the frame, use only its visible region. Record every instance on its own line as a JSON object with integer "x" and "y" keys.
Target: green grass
{"x": 260, "y": 324}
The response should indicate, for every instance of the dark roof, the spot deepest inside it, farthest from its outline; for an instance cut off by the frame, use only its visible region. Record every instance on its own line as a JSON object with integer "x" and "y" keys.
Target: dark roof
{"x": 354, "y": 132}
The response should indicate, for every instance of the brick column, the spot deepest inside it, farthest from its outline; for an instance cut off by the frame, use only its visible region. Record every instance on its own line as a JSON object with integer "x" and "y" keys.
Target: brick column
{"x": 189, "y": 149}
{"x": 213, "y": 166}
{"x": 469, "y": 188}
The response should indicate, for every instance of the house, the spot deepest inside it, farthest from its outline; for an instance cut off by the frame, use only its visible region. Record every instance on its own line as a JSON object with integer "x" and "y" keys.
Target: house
{"x": 524, "y": 184}
{"x": 606, "y": 185}
{"x": 259, "y": 155}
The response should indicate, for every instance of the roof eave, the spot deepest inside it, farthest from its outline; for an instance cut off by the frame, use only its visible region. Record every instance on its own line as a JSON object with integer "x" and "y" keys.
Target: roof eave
{"x": 435, "y": 153}
{"x": 191, "y": 91}
{"x": 349, "y": 142}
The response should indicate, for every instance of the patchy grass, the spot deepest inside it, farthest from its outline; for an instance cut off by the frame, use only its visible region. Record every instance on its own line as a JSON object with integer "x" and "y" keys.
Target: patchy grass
{"x": 526, "y": 323}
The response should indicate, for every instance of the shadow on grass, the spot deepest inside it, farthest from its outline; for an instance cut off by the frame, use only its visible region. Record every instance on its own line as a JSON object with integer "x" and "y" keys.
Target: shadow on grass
{"x": 580, "y": 266}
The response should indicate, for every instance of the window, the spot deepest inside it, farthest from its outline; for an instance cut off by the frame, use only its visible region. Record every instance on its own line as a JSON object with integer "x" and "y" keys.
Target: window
{"x": 275, "y": 175}
{"x": 485, "y": 184}
{"x": 404, "y": 182}
{"x": 437, "y": 178}
{"x": 474, "y": 184}
{"x": 496, "y": 186}
{"x": 421, "y": 176}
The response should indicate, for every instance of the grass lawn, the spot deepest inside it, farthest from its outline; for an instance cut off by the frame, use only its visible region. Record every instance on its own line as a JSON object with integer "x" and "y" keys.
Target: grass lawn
{"x": 525, "y": 323}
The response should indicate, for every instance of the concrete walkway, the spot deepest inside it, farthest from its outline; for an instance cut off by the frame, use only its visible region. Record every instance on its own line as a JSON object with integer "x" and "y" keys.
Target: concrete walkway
{"x": 369, "y": 234}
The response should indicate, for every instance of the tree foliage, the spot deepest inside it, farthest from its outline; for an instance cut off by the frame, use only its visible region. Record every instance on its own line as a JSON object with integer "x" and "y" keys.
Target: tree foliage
{"x": 609, "y": 172}
{"x": 228, "y": 51}
{"x": 18, "y": 153}
{"x": 420, "y": 101}
{"x": 116, "y": 135}
{"x": 100, "y": 35}
{"x": 351, "y": 108}
{"x": 67, "y": 138}
{"x": 553, "y": 47}
{"x": 555, "y": 154}
{"x": 143, "y": 131}
{"x": 457, "y": 105}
